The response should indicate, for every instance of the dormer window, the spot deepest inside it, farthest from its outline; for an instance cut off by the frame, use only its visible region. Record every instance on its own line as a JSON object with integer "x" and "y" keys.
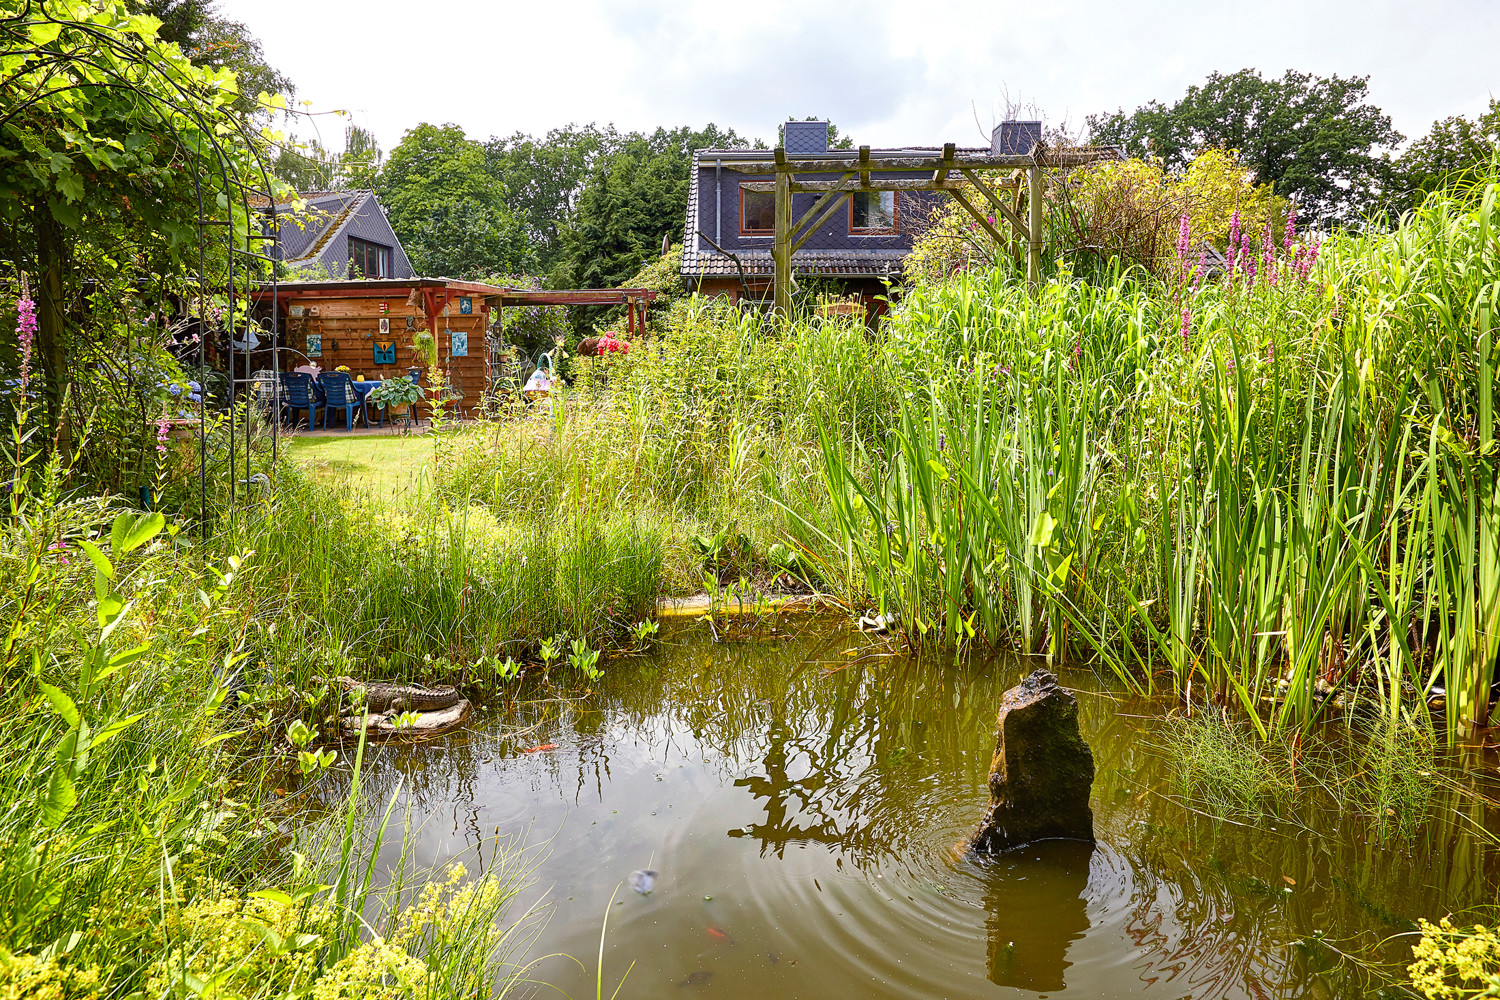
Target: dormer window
{"x": 368, "y": 260}
{"x": 872, "y": 213}
{"x": 757, "y": 213}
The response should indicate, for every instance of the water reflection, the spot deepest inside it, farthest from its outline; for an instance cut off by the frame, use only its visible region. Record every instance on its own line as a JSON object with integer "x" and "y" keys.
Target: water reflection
{"x": 1036, "y": 908}
{"x": 807, "y": 808}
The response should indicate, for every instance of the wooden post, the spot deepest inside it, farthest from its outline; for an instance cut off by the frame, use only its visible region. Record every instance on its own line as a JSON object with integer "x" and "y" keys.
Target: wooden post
{"x": 781, "y": 244}
{"x": 1034, "y": 223}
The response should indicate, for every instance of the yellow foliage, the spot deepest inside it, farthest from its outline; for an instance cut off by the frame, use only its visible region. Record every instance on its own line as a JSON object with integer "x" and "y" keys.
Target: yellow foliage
{"x": 1453, "y": 963}
{"x": 232, "y": 942}
{"x": 1209, "y": 192}
{"x": 26, "y": 977}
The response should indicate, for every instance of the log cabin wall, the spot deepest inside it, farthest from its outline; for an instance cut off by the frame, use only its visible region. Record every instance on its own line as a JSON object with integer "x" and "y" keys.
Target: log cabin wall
{"x": 349, "y": 329}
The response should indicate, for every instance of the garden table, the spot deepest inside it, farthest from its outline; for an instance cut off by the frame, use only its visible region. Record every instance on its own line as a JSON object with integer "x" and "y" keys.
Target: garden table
{"x": 364, "y": 389}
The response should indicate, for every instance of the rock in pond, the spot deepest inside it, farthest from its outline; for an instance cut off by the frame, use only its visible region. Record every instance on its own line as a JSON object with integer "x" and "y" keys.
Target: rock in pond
{"x": 1042, "y": 771}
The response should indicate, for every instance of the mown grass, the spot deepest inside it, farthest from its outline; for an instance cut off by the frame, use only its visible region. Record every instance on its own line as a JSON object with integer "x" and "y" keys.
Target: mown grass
{"x": 383, "y": 464}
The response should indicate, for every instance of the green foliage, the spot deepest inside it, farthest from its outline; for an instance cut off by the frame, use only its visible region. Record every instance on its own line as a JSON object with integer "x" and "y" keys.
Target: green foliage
{"x": 447, "y": 207}
{"x": 1275, "y": 488}
{"x": 109, "y": 138}
{"x": 543, "y": 179}
{"x": 1315, "y": 139}
{"x": 1225, "y": 766}
{"x": 132, "y": 842}
{"x": 1456, "y": 153}
{"x": 396, "y": 391}
{"x": 215, "y": 42}
{"x": 632, "y": 197}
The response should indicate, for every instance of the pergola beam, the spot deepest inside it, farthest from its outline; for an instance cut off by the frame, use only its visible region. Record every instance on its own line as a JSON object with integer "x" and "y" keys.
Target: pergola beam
{"x": 895, "y": 184}
{"x": 1022, "y": 230}
{"x": 961, "y": 161}
{"x": 821, "y": 211}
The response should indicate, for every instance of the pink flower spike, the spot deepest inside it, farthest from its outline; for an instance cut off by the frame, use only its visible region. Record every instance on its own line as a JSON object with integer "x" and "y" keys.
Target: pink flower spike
{"x": 25, "y": 332}
{"x": 1187, "y": 325}
{"x": 1291, "y": 227}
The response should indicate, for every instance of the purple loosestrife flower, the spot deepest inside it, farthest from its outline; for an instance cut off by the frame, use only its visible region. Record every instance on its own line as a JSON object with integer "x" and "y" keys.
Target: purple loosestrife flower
{"x": 163, "y": 428}
{"x": 1187, "y": 325}
{"x": 1184, "y": 231}
{"x": 1291, "y": 227}
{"x": 1234, "y": 242}
{"x": 25, "y": 332}
{"x": 1268, "y": 255}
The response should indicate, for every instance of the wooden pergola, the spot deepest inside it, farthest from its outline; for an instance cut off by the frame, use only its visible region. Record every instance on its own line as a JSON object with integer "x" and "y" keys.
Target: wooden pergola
{"x": 951, "y": 172}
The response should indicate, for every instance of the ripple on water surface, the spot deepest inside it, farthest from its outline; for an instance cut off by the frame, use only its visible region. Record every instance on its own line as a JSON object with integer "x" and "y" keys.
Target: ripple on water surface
{"x": 803, "y": 825}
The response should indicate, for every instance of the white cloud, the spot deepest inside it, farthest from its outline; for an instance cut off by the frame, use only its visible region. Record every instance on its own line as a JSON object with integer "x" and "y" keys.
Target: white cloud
{"x": 887, "y": 73}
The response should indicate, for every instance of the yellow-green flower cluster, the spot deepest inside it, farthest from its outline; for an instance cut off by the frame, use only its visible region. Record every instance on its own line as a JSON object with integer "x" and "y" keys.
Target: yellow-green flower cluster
{"x": 1456, "y": 963}
{"x": 240, "y": 945}
{"x": 32, "y": 978}
{"x": 376, "y": 970}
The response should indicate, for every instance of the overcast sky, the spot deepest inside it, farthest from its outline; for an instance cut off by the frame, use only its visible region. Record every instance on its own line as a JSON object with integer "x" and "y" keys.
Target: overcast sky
{"x": 915, "y": 72}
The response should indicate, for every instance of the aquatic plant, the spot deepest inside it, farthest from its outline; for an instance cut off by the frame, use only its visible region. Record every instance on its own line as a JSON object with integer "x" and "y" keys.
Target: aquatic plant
{"x": 1300, "y": 498}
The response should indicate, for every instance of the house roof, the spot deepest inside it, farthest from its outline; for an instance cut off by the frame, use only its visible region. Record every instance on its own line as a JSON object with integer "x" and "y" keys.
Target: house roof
{"x": 327, "y": 213}
{"x": 704, "y": 261}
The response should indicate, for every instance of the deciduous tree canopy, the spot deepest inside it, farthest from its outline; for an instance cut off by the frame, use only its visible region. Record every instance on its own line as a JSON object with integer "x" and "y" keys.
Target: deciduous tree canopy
{"x": 1456, "y": 151}
{"x": 1317, "y": 139}
{"x": 447, "y": 207}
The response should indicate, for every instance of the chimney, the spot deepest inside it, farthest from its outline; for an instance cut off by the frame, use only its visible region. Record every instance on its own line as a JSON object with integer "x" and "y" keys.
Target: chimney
{"x": 1015, "y": 138}
{"x": 805, "y": 137}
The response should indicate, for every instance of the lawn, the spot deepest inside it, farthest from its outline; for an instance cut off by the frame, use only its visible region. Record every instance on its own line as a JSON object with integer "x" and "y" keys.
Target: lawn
{"x": 388, "y": 463}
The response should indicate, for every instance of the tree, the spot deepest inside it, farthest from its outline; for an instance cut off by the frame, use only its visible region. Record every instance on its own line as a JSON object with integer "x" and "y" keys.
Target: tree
{"x": 1316, "y": 139}
{"x": 447, "y": 207}
{"x": 1455, "y": 152}
{"x": 111, "y": 144}
{"x": 544, "y": 179}
{"x": 632, "y": 198}
{"x": 218, "y": 43}
{"x": 307, "y": 166}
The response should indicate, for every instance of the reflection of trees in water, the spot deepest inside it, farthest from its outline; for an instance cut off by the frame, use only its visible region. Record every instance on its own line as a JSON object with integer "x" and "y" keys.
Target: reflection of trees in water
{"x": 871, "y": 758}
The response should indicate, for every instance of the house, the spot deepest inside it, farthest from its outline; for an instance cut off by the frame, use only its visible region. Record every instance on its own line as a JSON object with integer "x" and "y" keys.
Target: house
{"x": 727, "y": 241}
{"x": 345, "y": 233}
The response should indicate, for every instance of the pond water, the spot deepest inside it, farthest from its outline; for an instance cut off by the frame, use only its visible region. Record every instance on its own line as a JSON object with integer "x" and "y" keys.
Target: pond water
{"x": 801, "y": 796}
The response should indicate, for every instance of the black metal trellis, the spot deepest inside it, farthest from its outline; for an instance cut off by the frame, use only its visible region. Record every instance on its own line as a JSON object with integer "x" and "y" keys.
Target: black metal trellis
{"x": 237, "y": 190}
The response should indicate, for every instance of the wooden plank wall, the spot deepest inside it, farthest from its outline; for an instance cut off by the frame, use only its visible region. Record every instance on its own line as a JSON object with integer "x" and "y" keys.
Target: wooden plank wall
{"x": 350, "y": 327}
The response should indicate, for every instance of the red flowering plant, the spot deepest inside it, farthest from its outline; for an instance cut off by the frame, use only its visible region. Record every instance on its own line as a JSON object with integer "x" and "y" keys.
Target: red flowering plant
{"x": 611, "y": 343}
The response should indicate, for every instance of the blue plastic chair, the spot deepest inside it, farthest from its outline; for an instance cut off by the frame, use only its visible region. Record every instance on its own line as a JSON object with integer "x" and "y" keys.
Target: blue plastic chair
{"x": 299, "y": 392}
{"x": 339, "y": 394}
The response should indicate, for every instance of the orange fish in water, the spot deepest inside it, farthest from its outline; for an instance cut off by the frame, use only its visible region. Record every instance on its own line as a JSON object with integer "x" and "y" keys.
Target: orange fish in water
{"x": 722, "y": 935}
{"x": 540, "y": 747}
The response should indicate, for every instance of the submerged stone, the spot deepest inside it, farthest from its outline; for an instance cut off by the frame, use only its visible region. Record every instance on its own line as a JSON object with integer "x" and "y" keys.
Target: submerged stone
{"x": 1042, "y": 772}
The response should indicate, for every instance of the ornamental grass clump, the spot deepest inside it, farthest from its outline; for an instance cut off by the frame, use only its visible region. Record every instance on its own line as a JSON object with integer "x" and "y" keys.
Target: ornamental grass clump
{"x": 1277, "y": 481}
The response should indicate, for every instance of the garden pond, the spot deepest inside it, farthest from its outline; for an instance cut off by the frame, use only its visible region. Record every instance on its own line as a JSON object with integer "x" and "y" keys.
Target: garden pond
{"x": 801, "y": 794}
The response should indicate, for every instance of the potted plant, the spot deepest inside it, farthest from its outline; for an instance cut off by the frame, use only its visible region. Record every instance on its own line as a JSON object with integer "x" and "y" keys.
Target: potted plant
{"x": 397, "y": 394}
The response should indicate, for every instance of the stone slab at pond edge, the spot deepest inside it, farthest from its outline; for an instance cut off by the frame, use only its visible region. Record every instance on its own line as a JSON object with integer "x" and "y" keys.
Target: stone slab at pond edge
{"x": 1042, "y": 772}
